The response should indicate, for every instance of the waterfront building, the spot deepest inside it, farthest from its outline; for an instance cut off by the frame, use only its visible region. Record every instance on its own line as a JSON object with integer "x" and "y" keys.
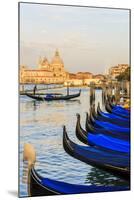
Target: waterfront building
{"x": 44, "y": 64}
{"x": 46, "y": 72}
{"x": 95, "y": 81}
{"x": 99, "y": 76}
{"x": 117, "y": 70}
{"x": 84, "y": 75}
{"x": 80, "y": 82}
{"x": 84, "y": 78}
{"x": 73, "y": 82}
{"x": 54, "y": 72}
{"x": 81, "y": 75}
{"x": 72, "y": 76}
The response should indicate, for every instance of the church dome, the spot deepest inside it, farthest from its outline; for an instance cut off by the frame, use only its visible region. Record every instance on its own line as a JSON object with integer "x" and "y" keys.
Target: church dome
{"x": 45, "y": 61}
{"x": 57, "y": 59}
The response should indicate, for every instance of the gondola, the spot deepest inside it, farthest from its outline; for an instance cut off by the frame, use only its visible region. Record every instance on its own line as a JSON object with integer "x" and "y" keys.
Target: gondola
{"x": 54, "y": 97}
{"x": 117, "y": 112}
{"x": 118, "y": 107}
{"x": 110, "y": 126}
{"x": 101, "y": 140}
{"x": 110, "y": 115}
{"x": 118, "y": 165}
{"x": 40, "y": 186}
{"x": 80, "y": 132}
{"x": 109, "y": 119}
{"x": 90, "y": 128}
{"x": 35, "y": 97}
{"x": 109, "y": 143}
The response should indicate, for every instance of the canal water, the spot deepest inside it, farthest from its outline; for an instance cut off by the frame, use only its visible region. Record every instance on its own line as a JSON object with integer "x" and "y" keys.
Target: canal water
{"x": 41, "y": 125}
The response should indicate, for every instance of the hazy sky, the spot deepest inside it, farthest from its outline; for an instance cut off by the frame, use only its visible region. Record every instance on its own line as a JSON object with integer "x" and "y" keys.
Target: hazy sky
{"x": 88, "y": 39}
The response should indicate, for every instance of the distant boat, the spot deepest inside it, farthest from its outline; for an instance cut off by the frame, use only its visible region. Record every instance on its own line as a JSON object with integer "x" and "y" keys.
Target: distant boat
{"x": 51, "y": 97}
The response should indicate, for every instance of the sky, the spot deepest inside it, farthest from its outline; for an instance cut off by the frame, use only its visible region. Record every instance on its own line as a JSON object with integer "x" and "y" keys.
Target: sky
{"x": 88, "y": 39}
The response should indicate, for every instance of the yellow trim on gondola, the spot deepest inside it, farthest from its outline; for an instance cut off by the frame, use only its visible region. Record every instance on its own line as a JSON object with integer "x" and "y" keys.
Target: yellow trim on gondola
{"x": 127, "y": 104}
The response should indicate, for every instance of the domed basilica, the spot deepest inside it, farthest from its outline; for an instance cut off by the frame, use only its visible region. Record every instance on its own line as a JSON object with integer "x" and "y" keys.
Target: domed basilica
{"x": 46, "y": 72}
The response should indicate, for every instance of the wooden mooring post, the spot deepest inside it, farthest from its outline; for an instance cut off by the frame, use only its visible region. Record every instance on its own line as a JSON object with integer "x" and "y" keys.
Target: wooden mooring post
{"x": 103, "y": 94}
{"x": 92, "y": 94}
{"x": 128, "y": 88}
{"x": 117, "y": 92}
{"x": 108, "y": 93}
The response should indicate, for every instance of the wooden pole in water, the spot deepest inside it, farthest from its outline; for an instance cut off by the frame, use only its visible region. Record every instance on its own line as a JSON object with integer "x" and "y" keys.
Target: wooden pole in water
{"x": 128, "y": 88}
{"x": 23, "y": 88}
{"x": 113, "y": 93}
{"x": 117, "y": 93}
{"x": 92, "y": 94}
{"x": 109, "y": 91}
{"x": 103, "y": 93}
{"x": 29, "y": 155}
{"x": 67, "y": 89}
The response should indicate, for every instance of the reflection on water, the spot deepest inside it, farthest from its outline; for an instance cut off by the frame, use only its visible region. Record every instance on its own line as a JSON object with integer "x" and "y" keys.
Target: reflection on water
{"x": 41, "y": 125}
{"x": 100, "y": 177}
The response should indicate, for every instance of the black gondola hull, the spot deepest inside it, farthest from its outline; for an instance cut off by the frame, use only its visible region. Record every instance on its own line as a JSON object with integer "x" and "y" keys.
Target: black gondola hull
{"x": 54, "y": 98}
{"x": 36, "y": 188}
{"x": 69, "y": 148}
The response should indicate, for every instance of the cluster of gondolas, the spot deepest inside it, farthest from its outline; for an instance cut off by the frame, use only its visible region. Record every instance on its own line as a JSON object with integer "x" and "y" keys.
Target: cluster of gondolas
{"x": 107, "y": 139}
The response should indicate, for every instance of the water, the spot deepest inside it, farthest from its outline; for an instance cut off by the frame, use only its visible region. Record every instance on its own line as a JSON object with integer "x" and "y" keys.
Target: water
{"x": 41, "y": 125}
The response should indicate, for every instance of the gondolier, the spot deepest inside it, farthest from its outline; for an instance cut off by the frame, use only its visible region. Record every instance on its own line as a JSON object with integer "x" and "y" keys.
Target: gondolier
{"x": 34, "y": 90}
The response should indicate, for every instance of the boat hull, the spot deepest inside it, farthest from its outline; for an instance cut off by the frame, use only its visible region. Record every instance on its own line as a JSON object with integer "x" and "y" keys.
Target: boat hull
{"x": 54, "y": 98}
{"x": 77, "y": 152}
{"x": 37, "y": 188}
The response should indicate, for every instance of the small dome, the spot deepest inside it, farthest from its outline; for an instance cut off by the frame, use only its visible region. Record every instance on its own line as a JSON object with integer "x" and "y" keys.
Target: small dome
{"x": 57, "y": 59}
{"x": 45, "y": 61}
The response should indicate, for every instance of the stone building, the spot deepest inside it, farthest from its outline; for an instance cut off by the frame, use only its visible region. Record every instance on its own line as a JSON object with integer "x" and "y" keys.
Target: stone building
{"x": 43, "y": 63}
{"x": 57, "y": 66}
{"x": 84, "y": 75}
{"x": 46, "y": 72}
{"x": 99, "y": 76}
{"x": 117, "y": 70}
{"x": 84, "y": 78}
